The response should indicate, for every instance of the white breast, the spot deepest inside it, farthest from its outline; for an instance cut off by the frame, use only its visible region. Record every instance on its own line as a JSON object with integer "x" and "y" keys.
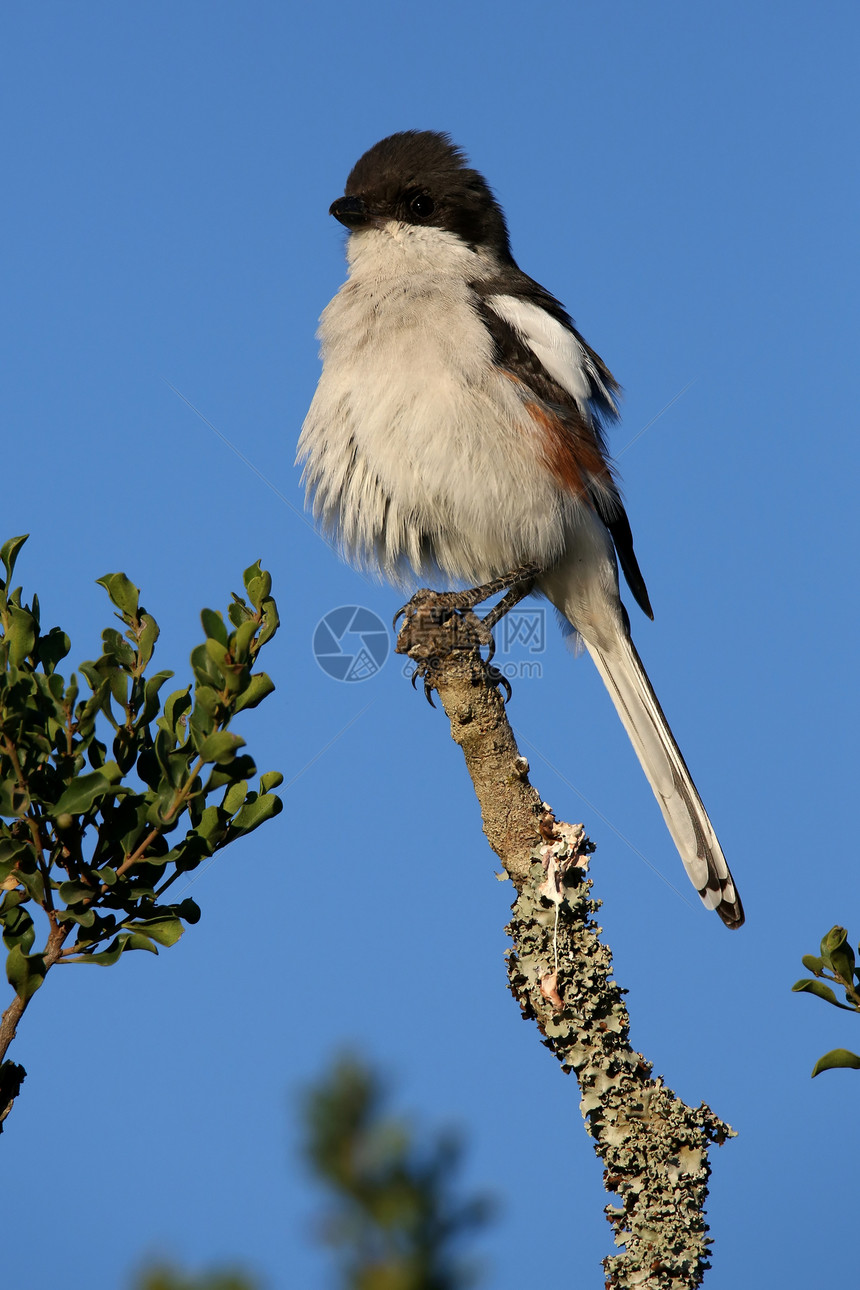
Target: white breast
{"x": 417, "y": 452}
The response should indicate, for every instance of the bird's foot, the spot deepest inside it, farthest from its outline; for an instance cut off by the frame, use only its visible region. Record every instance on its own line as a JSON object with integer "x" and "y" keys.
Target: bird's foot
{"x": 430, "y": 664}
{"x": 437, "y": 622}
{"x": 442, "y": 605}
{"x": 430, "y": 615}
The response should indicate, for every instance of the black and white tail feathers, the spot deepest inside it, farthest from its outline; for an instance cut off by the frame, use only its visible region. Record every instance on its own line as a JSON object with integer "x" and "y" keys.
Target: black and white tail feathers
{"x": 585, "y": 589}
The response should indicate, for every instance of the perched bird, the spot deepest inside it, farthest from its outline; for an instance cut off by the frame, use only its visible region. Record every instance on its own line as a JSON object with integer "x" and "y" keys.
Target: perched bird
{"x": 457, "y": 431}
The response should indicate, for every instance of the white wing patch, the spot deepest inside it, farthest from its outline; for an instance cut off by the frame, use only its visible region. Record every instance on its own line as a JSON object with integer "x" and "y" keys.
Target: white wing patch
{"x": 559, "y": 351}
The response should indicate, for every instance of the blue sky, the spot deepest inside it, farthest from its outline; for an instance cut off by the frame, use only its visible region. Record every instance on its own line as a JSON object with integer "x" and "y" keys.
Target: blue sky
{"x": 683, "y": 177}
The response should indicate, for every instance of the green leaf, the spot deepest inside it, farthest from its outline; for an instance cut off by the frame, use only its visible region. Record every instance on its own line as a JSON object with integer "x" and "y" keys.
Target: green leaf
{"x": 205, "y": 672}
{"x": 271, "y": 779}
{"x": 823, "y": 991}
{"x": 255, "y": 812}
{"x": 146, "y": 641}
{"x": 150, "y": 696}
{"x": 125, "y": 941}
{"x": 211, "y": 827}
{"x": 122, "y": 592}
{"x": 24, "y": 972}
{"x": 137, "y": 941}
{"x": 83, "y": 917}
{"x": 14, "y": 852}
{"x": 202, "y": 721}
{"x": 813, "y": 963}
{"x": 242, "y": 767}
{"x": 218, "y": 654}
{"x": 242, "y": 637}
{"x": 842, "y": 958}
{"x": 193, "y": 848}
{"x": 834, "y": 938}
{"x": 220, "y": 746}
{"x": 214, "y": 626}
{"x": 118, "y": 685}
{"x": 239, "y": 611}
{"x": 175, "y": 707}
{"x": 86, "y": 712}
{"x": 226, "y": 664}
{"x": 160, "y": 804}
{"x": 166, "y": 929}
{"x": 74, "y": 892}
{"x": 53, "y": 647}
{"x": 271, "y": 623}
{"x": 18, "y": 930}
{"x": 117, "y": 650}
{"x": 85, "y": 791}
{"x": 34, "y": 885}
{"x": 9, "y": 554}
{"x": 104, "y": 958}
{"x": 836, "y": 1058}
{"x": 235, "y": 796}
{"x": 13, "y": 799}
{"x": 21, "y": 635}
{"x": 259, "y": 688}
{"x": 258, "y": 584}
{"x": 206, "y": 700}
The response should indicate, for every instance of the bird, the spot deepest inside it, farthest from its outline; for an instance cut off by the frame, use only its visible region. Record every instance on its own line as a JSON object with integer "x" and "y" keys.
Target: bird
{"x": 458, "y": 431}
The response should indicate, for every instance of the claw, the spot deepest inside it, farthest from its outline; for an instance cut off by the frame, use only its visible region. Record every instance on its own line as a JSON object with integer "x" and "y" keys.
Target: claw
{"x": 428, "y": 684}
{"x": 499, "y": 678}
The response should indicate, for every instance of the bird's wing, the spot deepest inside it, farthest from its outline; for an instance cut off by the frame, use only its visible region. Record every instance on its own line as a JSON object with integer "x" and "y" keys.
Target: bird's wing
{"x": 536, "y": 343}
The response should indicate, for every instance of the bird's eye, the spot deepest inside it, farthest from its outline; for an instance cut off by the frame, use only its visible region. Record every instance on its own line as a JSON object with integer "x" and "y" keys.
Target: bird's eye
{"x": 422, "y": 205}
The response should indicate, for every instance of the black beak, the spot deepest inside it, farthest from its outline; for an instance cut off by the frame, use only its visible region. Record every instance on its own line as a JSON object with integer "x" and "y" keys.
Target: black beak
{"x": 351, "y": 211}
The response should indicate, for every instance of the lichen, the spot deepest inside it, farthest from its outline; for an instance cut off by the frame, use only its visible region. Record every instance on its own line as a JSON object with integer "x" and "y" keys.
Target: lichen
{"x": 653, "y": 1147}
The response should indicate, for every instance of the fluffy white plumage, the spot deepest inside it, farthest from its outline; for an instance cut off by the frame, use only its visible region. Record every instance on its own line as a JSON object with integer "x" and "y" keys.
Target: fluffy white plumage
{"x": 418, "y": 454}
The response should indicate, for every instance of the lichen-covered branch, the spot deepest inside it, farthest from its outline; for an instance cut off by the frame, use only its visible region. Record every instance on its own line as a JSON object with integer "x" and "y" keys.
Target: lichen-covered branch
{"x": 653, "y": 1146}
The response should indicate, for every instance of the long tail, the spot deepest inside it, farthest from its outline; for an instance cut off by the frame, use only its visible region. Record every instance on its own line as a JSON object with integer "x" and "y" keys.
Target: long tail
{"x": 686, "y": 818}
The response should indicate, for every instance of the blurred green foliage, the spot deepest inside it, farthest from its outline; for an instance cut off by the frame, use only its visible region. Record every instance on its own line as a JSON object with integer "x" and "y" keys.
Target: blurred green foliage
{"x": 164, "y": 1277}
{"x": 107, "y": 797}
{"x": 837, "y": 964}
{"x": 393, "y": 1218}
